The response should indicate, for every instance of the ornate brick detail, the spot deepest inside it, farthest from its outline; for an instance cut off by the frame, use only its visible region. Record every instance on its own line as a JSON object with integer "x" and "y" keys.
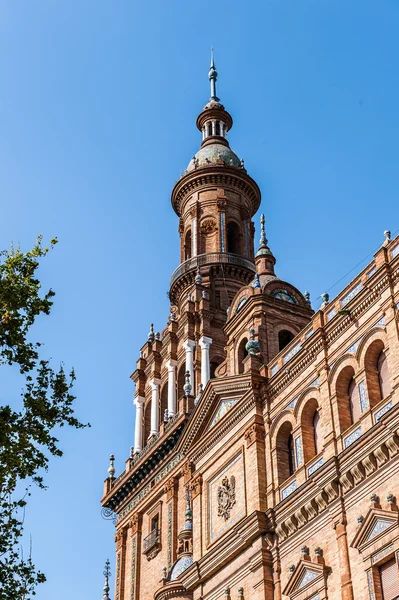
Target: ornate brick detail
{"x": 134, "y": 523}
{"x": 208, "y": 226}
{"x": 170, "y": 488}
{"x": 196, "y": 485}
{"x": 119, "y": 538}
{"x": 187, "y": 470}
{"x": 254, "y": 433}
{"x": 226, "y": 497}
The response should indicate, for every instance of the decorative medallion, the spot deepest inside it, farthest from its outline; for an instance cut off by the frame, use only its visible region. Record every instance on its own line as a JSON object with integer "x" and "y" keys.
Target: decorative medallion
{"x": 226, "y": 497}
{"x": 208, "y": 226}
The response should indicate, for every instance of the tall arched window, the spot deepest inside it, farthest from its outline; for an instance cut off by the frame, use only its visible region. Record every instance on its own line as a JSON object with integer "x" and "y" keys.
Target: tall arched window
{"x": 285, "y": 453}
{"x": 217, "y": 128}
{"x": 233, "y": 238}
{"x": 354, "y": 401}
{"x": 181, "y": 380}
{"x": 317, "y": 433}
{"x": 241, "y": 354}
{"x": 163, "y": 402}
{"x": 147, "y": 422}
{"x": 284, "y": 338}
{"x": 187, "y": 245}
{"x": 383, "y": 375}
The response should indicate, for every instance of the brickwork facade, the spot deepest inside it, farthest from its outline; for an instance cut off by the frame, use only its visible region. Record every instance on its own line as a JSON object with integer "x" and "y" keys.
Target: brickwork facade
{"x": 266, "y": 455}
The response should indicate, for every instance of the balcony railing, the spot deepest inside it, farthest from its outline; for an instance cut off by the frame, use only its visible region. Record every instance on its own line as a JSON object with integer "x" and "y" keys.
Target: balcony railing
{"x": 151, "y": 541}
{"x": 211, "y": 258}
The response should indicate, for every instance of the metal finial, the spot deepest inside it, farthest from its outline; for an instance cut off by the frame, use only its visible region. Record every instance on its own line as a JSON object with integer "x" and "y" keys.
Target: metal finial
{"x": 111, "y": 469}
{"x": 107, "y": 575}
{"x": 151, "y": 334}
{"x": 213, "y": 75}
{"x": 263, "y": 239}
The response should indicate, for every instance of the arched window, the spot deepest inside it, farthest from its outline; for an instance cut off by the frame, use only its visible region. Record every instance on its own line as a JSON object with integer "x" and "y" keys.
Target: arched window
{"x": 217, "y": 128}
{"x": 312, "y": 436}
{"x": 346, "y": 398}
{"x": 181, "y": 380}
{"x": 233, "y": 238}
{"x": 383, "y": 375}
{"x": 317, "y": 433}
{"x": 163, "y": 403}
{"x": 241, "y": 354}
{"x": 354, "y": 400}
{"x": 284, "y": 338}
{"x": 285, "y": 453}
{"x": 187, "y": 245}
{"x": 214, "y": 365}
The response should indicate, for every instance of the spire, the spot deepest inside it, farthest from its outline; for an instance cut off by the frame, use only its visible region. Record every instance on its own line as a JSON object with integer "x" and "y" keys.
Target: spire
{"x": 263, "y": 239}
{"x": 213, "y": 75}
{"x": 264, "y": 258}
{"x": 107, "y": 575}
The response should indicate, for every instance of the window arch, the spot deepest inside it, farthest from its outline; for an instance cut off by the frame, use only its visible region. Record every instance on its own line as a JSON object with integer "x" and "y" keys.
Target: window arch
{"x": 383, "y": 375}
{"x": 233, "y": 238}
{"x": 187, "y": 245}
{"x": 181, "y": 380}
{"x": 241, "y": 354}
{"x": 285, "y": 452}
{"x": 163, "y": 402}
{"x": 284, "y": 338}
{"x": 346, "y": 398}
{"x": 312, "y": 435}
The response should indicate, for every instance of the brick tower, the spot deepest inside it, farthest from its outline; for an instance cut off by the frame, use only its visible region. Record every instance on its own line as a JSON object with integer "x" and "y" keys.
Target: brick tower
{"x": 262, "y": 429}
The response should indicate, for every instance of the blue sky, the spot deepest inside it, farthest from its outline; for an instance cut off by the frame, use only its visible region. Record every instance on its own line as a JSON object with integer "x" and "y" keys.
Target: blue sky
{"x": 97, "y": 120}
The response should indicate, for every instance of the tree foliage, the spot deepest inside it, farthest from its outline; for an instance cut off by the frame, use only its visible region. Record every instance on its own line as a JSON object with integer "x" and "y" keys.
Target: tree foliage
{"x": 27, "y": 433}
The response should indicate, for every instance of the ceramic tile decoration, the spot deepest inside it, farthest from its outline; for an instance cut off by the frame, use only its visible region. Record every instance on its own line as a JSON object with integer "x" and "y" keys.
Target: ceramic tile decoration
{"x": 292, "y": 402}
{"x": 370, "y": 584}
{"x": 381, "y": 322}
{"x": 395, "y": 251}
{"x": 292, "y": 352}
{"x": 288, "y": 490}
{"x": 222, "y": 232}
{"x": 379, "y": 527}
{"x": 308, "y": 333}
{"x": 181, "y": 565}
{"x": 382, "y": 554}
{"x": 298, "y": 451}
{"x": 307, "y": 577}
{"x": 354, "y": 346}
{"x": 355, "y": 435}
{"x": 133, "y": 568}
{"x": 382, "y": 411}
{"x": 371, "y": 272}
{"x": 316, "y": 466}
{"x": 315, "y": 382}
{"x": 331, "y": 314}
{"x": 283, "y": 295}
{"x": 224, "y": 407}
{"x": 364, "y": 401}
{"x": 352, "y": 294}
{"x": 274, "y": 369}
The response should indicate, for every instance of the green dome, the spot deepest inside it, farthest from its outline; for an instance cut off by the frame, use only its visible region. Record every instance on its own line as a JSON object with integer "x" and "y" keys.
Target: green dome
{"x": 211, "y": 155}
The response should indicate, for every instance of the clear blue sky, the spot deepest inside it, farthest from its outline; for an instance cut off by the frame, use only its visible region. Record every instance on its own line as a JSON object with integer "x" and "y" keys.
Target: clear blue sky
{"x": 97, "y": 120}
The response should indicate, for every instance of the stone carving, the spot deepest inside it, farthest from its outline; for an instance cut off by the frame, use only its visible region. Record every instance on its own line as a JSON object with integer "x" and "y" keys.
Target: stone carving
{"x": 226, "y": 497}
{"x": 208, "y": 226}
{"x": 196, "y": 486}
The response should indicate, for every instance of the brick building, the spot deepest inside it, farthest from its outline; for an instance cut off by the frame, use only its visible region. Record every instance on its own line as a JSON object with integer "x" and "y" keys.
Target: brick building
{"x": 266, "y": 453}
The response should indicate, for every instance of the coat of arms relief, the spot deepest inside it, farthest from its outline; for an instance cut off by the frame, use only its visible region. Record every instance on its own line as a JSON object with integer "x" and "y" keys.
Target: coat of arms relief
{"x": 226, "y": 497}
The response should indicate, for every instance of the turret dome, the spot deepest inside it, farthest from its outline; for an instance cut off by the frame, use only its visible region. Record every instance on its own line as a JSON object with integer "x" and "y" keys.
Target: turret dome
{"x": 214, "y": 154}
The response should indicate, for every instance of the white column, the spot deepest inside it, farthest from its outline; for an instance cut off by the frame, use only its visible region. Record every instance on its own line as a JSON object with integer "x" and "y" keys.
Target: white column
{"x": 171, "y": 366}
{"x": 189, "y": 346}
{"x": 203, "y": 133}
{"x": 138, "y": 426}
{"x": 194, "y": 237}
{"x": 213, "y": 127}
{"x": 155, "y": 383}
{"x": 205, "y": 342}
{"x": 221, "y": 124}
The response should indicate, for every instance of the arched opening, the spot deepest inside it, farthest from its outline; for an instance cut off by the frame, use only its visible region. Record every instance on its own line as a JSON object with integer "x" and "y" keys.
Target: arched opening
{"x": 147, "y": 422}
{"x": 284, "y": 338}
{"x": 187, "y": 245}
{"x": 377, "y": 373}
{"x": 383, "y": 375}
{"x": 312, "y": 436}
{"x": 213, "y": 366}
{"x": 217, "y": 128}
{"x": 181, "y": 379}
{"x": 233, "y": 238}
{"x": 285, "y": 453}
{"x": 346, "y": 398}
{"x": 163, "y": 403}
{"x": 241, "y": 354}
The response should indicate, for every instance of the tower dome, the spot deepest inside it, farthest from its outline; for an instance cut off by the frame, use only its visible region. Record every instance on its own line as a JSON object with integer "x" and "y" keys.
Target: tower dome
{"x": 214, "y": 154}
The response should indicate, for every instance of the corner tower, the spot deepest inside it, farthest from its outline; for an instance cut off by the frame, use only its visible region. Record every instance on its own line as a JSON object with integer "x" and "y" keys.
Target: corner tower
{"x": 215, "y": 200}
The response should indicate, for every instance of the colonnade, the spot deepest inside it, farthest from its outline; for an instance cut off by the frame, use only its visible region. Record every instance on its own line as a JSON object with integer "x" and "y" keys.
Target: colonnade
{"x": 155, "y": 384}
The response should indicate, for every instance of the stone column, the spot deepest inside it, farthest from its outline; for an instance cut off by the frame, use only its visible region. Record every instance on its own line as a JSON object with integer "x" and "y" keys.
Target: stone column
{"x": 171, "y": 366}
{"x": 213, "y": 127}
{"x": 155, "y": 383}
{"x": 205, "y": 342}
{"x": 344, "y": 564}
{"x": 189, "y": 346}
{"x": 138, "y": 426}
{"x": 194, "y": 237}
